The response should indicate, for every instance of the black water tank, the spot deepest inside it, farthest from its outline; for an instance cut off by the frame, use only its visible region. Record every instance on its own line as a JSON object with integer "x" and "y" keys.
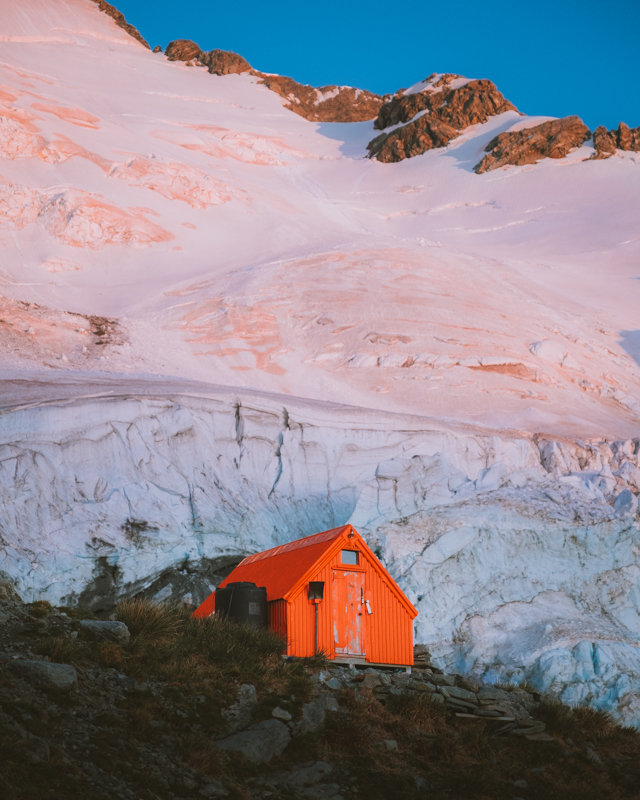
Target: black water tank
{"x": 243, "y": 602}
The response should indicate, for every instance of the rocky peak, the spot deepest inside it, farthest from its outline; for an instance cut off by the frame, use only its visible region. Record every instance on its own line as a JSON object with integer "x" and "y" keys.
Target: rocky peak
{"x": 120, "y": 21}
{"x": 552, "y": 139}
{"x": 449, "y": 108}
{"x": 405, "y": 104}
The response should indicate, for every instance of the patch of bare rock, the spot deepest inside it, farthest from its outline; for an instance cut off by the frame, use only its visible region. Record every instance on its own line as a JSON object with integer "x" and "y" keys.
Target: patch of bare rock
{"x": 444, "y": 111}
{"x": 606, "y": 142}
{"x": 326, "y": 104}
{"x": 218, "y": 62}
{"x": 120, "y": 21}
{"x": 552, "y": 139}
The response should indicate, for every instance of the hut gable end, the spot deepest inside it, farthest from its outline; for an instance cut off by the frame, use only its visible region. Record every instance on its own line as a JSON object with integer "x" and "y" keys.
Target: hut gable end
{"x": 363, "y": 614}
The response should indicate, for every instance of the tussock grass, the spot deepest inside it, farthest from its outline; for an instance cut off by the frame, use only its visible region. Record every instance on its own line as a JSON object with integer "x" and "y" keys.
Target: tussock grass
{"x": 64, "y": 651}
{"x": 144, "y": 619}
{"x": 558, "y": 718}
{"x": 419, "y": 711}
{"x": 39, "y": 608}
{"x": 169, "y": 643}
{"x": 200, "y": 753}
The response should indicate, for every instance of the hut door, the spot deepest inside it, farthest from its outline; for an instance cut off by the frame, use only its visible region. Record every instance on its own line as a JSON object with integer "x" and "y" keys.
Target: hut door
{"x": 348, "y": 612}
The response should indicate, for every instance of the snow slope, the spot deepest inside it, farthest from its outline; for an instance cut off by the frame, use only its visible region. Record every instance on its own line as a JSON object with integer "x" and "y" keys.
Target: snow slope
{"x": 183, "y": 258}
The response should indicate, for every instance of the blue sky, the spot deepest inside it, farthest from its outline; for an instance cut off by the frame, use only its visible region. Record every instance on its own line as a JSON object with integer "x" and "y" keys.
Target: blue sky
{"x": 553, "y": 58}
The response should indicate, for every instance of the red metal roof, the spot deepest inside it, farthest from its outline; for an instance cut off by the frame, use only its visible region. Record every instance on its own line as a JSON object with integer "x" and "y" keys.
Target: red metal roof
{"x": 308, "y": 541}
{"x": 281, "y": 568}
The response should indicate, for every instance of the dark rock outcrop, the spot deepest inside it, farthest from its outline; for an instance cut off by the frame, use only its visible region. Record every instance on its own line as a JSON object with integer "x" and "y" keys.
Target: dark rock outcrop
{"x": 326, "y": 104}
{"x": 183, "y": 50}
{"x": 628, "y": 138}
{"x": 448, "y": 111}
{"x": 553, "y": 139}
{"x": 606, "y": 142}
{"x": 225, "y": 62}
{"x": 403, "y": 107}
{"x": 121, "y": 22}
{"x": 411, "y": 140}
{"x": 218, "y": 62}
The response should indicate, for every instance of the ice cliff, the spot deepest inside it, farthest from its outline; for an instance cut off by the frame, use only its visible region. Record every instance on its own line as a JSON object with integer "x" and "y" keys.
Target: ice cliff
{"x": 521, "y": 553}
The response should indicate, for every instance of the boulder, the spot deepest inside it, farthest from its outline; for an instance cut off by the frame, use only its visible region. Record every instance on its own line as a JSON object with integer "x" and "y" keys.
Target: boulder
{"x": 442, "y": 680}
{"x": 313, "y": 713}
{"x": 225, "y": 62}
{"x": 239, "y": 714}
{"x": 214, "y": 789}
{"x": 44, "y": 675}
{"x": 553, "y": 139}
{"x": 371, "y": 681}
{"x": 391, "y": 745}
{"x": 183, "y": 50}
{"x": 491, "y": 693}
{"x": 106, "y": 630}
{"x": 604, "y": 142}
{"x": 259, "y": 743}
{"x": 462, "y": 694}
{"x": 310, "y": 773}
{"x": 280, "y": 713}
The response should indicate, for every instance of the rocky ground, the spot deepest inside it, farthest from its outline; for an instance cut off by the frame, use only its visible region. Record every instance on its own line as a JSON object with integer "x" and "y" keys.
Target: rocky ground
{"x": 85, "y": 711}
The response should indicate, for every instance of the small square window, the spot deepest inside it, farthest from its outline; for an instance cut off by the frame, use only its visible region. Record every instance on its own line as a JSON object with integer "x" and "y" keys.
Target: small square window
{"x": 350, "y": 557}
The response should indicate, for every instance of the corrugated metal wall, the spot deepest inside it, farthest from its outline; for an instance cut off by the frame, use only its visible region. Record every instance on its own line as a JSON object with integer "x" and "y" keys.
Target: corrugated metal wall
{"x": 388, "y": 631}
{"x": 278, "y": 620}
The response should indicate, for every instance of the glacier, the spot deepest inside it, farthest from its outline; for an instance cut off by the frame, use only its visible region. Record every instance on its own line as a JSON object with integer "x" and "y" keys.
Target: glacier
{"x": 518, "y": 565}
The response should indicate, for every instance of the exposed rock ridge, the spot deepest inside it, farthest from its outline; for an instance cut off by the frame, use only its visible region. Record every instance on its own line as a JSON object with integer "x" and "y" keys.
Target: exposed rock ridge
{"x": 448, "y": 111}
{"x": 606, "y": 142}
{"x": 325, "y": 104}
{"x": 552, "y": 139}
{"x": 120, "y": 21}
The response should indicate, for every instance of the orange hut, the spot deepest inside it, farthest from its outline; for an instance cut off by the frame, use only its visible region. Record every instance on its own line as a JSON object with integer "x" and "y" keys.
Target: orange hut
{"x": 330, "y": 593}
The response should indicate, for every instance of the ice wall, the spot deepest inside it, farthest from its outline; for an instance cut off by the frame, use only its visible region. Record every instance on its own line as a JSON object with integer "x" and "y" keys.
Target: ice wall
{"x": 520, "y": 553}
